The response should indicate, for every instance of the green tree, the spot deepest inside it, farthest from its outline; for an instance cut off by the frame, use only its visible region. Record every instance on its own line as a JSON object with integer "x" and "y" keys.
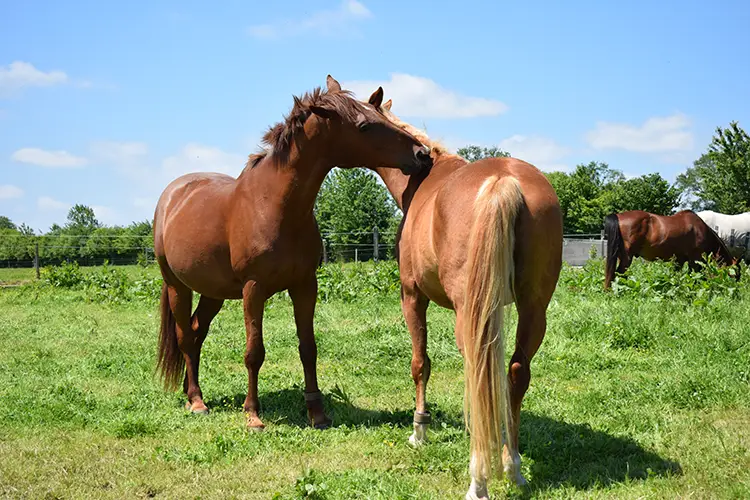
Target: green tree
{"x": 720, "y": 179}
{"x": 650, "y": 192}
{"x": 6, "y": 223}
{"x": 473, "y": 153}
{"x": 352, "y": 202}
{"x": 593, "y": 190}
{"x": 83, "y": 218}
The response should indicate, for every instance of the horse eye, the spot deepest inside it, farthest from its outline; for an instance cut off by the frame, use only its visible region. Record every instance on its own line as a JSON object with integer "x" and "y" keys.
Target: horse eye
{"x": 363, "y": 127}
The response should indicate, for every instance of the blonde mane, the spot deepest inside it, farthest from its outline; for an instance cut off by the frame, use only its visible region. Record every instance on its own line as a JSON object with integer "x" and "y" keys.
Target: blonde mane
{"x": 437, "y": 148}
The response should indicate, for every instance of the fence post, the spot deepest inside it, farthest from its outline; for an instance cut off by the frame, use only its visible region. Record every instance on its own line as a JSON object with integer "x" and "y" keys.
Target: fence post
{"x": 325, "y": 252}
{"x": 731, "y": 238}
{"x": 356, "y": 254}
{"x": 36, "y": 259}
{"x": 602, "y": 237}
{"x": 375, "y": 243}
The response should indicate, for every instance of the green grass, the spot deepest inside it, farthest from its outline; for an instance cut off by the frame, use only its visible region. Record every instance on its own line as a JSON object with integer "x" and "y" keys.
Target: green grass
{"x": 12, "y": 275}
{"x": 631, "y": 397}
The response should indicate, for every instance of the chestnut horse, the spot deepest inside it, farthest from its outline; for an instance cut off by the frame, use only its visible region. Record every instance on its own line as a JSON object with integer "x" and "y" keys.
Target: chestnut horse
{"x": 474, "y": 238}
{"x": 683, "y": 236}
{"x": 251, "y": 237}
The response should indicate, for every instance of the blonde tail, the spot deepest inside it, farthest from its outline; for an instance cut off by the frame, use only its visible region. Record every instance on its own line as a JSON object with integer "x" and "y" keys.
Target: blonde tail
{"x": 488, "y": 287}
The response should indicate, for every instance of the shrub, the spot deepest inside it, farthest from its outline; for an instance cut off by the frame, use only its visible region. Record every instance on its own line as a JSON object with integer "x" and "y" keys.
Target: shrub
{"x": 659, "y": 280}
{"x": 66, "y": 275}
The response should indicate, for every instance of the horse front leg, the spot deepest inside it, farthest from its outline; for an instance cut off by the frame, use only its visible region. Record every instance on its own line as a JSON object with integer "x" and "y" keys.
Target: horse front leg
{"x": 304, "y": 296}
{"x": 253, "y": 301}
{"x": 414, "y": 306}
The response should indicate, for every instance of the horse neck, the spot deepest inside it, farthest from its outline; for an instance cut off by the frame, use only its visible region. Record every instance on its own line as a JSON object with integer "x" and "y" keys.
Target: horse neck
{"x": 296, "y": 181}
{"x": 403, "y": 187}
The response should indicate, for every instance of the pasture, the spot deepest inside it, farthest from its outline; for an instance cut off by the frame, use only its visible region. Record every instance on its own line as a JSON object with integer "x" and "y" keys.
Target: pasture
{"x": 640, "y": 392}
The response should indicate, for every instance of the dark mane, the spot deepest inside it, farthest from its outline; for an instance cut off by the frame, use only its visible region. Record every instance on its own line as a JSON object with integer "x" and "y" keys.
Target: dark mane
{"x": 280, "y": 137}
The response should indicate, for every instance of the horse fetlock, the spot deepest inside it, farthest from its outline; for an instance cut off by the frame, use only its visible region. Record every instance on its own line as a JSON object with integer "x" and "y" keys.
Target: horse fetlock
{"x": 419, "y": 436}
{"x": 512, "y": 468}
{"x": 477, "y": 490}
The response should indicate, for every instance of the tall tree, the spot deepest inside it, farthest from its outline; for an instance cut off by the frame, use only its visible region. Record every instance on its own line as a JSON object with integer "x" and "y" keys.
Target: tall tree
{"x": 6, "y": 223}
{"x": 83, "y": 218}
{"x": 650, "y": 192}
{"x": 720, "y": 179}
{"x": 473, "y": 153}
{"x": 350, "y": 204}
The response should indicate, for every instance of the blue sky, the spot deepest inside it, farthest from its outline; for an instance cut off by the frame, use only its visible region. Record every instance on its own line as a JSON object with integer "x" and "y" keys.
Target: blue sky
{"x": 104, "y": 103}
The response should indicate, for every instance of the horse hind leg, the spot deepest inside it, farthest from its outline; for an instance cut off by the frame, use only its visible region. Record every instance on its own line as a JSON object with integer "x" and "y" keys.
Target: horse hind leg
{"x": 192, "y": 342}
{"x": 532, "y": 324}
{"x": 414, "y": 306}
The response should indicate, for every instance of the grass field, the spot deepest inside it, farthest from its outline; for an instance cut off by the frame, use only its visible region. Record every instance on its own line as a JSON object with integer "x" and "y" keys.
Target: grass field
{"x": 632, "y": 396}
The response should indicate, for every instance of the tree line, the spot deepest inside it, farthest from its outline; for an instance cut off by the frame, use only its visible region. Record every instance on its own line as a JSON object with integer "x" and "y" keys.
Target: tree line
{"x": 353, "y": 202}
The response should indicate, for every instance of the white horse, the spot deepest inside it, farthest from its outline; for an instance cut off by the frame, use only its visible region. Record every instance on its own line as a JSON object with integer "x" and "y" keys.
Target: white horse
{"x": 733, "y": 229}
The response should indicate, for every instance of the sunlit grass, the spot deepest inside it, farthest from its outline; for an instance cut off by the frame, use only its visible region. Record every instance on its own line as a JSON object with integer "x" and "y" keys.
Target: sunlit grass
{"x": 630, "y": 398}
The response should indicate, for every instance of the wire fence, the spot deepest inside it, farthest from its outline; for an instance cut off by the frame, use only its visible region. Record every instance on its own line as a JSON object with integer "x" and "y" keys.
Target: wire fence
{"x": 92, "y": 250}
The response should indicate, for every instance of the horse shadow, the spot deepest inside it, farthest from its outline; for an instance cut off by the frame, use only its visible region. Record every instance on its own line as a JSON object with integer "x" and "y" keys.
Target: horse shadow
{"x": 561, "y": 454}
{"x": 287, "y": 406}
{"x": 575, "y": 455}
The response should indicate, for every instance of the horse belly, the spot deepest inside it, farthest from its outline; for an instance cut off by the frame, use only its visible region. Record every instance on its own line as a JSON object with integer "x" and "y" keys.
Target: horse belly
{"x": 207, "y": 273}
{"x": 427, "y": 272}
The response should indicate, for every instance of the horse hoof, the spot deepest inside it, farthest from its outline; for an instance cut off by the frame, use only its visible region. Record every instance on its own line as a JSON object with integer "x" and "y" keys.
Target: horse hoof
{"x": 256, "y": 428}
{"x": 416, "y": 441}
{"x": 515, "y": 477}
{"x": 200, "y": 409}
{"x": 325, "y": 424}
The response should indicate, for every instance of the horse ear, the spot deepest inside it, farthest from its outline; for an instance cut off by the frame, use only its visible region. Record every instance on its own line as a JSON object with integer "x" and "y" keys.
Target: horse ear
{"x": 387, "y": 105}
{"x": 323, "y": 112}
{"x": 376, "y": 99}
{"x": 333, "y": 85}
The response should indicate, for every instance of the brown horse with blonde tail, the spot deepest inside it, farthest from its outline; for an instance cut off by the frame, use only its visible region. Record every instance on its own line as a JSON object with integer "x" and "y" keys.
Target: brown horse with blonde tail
{"x": 255, "y": 235}
{"x": 683, "y": 236}
{"x": 474, "y": 238}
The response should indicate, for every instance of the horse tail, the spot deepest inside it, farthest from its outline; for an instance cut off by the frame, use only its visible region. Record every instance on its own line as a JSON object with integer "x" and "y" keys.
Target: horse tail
{"x": 489, "y": 284}
{"x": 615, "y": 246}
{"x": 170, "y": 362}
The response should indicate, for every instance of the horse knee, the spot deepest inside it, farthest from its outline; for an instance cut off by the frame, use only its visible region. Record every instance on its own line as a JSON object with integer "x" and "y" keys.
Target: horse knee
{"x": 420, "y": 368}
{"x": 254, "y": 357}
{"x": 519, "y": 374}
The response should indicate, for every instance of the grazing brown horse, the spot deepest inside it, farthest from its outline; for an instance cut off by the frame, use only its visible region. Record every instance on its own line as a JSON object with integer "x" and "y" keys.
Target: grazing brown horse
{"x": 684, "y": 236}
{"x": 251, "y": 237}
{"x": 474, "y": 238}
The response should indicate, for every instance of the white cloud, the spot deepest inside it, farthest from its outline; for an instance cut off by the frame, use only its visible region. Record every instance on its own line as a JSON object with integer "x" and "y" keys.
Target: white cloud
{"x": 50, "y": 204}
{"x": 542, "y": 152}
{"x": 657, "y": 134}
{"x": 421, "y": 97}
{"x": 19, "y": 74}
{"x": 121, "y": 153}
{"x": 8, "y": 191}
{"x": 325, "y": 23}
{"x": 106, "y": 215}
{"x": 199, "y": 158}
{"x": 49, "y": 159}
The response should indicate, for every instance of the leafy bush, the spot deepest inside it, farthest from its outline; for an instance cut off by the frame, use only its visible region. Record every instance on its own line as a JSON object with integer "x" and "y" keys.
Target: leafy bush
{"x": 659, "y": 280}
{"x": 66, "y": 275}
{"x": 354, "y": 281}
{"x": 108, "y": 284}
{"x": 336, "y": 281}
